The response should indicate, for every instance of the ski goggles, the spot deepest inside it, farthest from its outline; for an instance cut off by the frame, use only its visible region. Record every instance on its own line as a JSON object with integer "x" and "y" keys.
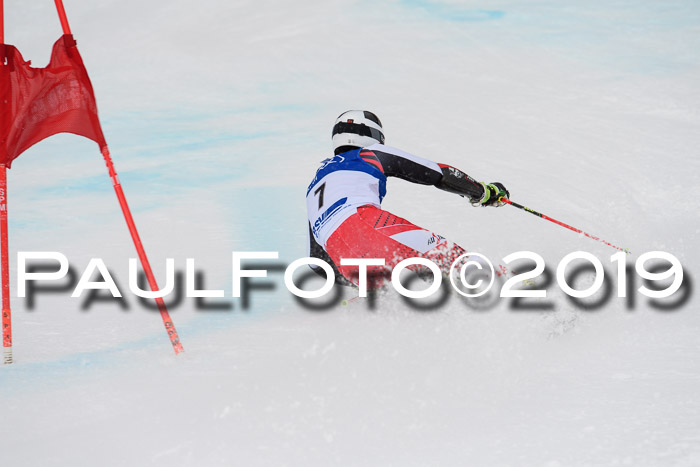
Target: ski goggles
{"x": 358, "y": 129}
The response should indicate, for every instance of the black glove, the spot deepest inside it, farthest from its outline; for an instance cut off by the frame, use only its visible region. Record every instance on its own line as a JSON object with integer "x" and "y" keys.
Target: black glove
{"x": 493, "y": 193}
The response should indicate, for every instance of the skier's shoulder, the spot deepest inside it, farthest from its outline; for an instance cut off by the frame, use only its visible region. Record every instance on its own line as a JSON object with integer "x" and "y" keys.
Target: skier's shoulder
{"x": 382, "y": 149}
{"x": 339, "y": 162}
{"x": 357, "y": 154}
{"x": 359, "y": 159}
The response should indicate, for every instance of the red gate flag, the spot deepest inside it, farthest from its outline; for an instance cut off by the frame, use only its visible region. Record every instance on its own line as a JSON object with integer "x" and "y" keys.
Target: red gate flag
{"x": 36, "y": 103}
{"x": 40, "y": 102}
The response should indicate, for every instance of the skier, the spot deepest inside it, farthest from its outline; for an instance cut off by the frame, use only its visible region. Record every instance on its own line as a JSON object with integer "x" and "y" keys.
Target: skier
{"x": 344, "y": 202}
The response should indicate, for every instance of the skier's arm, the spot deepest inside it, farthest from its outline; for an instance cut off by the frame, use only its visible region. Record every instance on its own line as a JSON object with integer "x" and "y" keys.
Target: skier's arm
{"x": 456, "y": 181}
{"x": 396, "y": 163}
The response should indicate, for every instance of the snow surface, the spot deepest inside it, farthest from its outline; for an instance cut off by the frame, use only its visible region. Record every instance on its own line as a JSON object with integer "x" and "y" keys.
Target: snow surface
{"x": 217, "y": 114}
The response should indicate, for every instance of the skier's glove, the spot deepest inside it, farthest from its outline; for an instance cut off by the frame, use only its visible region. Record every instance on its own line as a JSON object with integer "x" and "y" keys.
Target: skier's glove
{"x": 493, "y": 193}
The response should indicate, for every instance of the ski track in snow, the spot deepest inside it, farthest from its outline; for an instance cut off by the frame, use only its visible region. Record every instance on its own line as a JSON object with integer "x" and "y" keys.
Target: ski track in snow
{"x": 217, "y": 114}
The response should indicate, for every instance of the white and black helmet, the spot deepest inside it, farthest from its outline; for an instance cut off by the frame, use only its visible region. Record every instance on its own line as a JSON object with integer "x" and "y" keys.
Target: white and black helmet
{"x": 356, "y": 129}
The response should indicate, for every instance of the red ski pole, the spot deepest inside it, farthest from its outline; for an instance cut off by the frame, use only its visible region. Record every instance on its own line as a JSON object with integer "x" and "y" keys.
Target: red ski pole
{"x": 538, "y": 214}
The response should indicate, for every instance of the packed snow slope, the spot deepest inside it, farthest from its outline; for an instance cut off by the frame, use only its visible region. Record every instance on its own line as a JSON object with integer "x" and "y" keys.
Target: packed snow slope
{"x": 217, "y": 114}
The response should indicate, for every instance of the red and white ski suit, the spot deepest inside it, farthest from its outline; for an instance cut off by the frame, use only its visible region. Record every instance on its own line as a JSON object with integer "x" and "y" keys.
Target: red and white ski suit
{"x": 346, "y": 220}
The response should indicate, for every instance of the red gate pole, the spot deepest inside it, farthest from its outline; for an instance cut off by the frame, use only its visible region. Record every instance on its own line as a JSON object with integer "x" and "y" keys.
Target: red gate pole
{"x": 62, "y": 16}
{"x": 4, "y": 250}
{"x": 169, "y": 326}
{"x": 5, "y": 264}
{"x": 167, "y": 321}
{"x": 2, "y": 23}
